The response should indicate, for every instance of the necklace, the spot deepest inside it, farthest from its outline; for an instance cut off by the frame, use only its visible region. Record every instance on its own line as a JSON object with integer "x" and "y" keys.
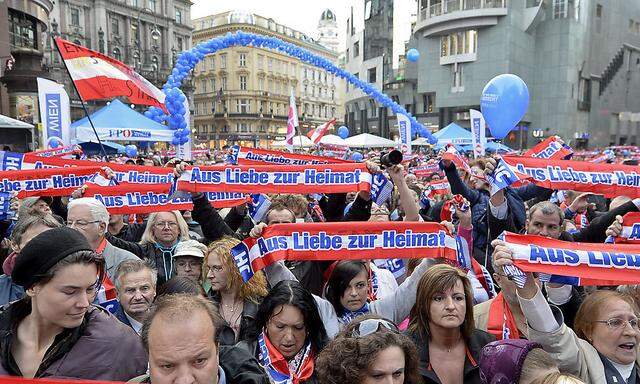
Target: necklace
{"x": 233, "y": 307}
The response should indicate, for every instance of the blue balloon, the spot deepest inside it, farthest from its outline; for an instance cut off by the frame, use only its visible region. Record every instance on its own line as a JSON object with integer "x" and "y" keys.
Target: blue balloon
{"x": 175, "y": 141}
{"x": 54, "y": 142}
{"x": 343, "y": 132}
{"x": 356, "y": 156}
{"x": 413, "y": 55}
{"x": 504, "y": 102}
{"x": 131, "y": 150}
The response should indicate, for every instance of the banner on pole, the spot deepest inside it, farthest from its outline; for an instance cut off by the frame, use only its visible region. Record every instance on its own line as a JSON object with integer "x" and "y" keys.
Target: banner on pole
{"x": 478, "y": 133}
{"x": 55, "y": 113}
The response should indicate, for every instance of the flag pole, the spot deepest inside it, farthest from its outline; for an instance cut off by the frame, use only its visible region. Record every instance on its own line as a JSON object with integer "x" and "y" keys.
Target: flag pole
{"x": 84, "y": 107}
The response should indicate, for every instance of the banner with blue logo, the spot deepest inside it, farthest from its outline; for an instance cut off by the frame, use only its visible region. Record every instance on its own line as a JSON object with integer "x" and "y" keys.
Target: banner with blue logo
{"x": 55, "y": 114}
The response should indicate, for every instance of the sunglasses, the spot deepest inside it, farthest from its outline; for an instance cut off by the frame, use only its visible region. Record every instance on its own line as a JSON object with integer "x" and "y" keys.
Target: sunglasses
{"x": 369, "y": 326}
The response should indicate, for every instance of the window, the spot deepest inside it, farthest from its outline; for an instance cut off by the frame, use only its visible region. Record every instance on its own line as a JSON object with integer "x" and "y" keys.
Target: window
{"x": 178, "y": 16}
{"x": 260, "y": 61}
{"x": 242, "y": 59}
{"x": 117, "y": 54}
{"x": 584, "y": 94}
{"x": 75, "y": 17}
{"x": 459, "y": 43}
{"x": 457, "y": 83}
{"x": 293, "y": 69}
{"x": 115, "y": 26}
{"x": 428, "y": 102}
{"x": 260, "y": 83}
{"x": 243, "y": 82}
{"x": 333, "y": 94}
{"x": 270, "y": 65}
{"x": 152, "y": 5}
{"x": 346, "y": 56}
{"x": 560, "y": 9}
{"x": 134, "y": 3}
{"x": 224, "y": 83}
{"x": 356, "y": 49}
{"x": 372, "y": 107}
{"x": 213, "y": 84}
{"x": 223, "y": 61}
{"x": 204, "y": 86}
{"x": 372, "y": 75}
{"x": 305, "y": 89}
{"x": 242, "y": 127}
{"x": 212, "y": 63}
{"x": 599, "y": 10}
{"x": 306, "y": 73}
{"x": 243, "y": 105}
{"x": 179, "y": 44}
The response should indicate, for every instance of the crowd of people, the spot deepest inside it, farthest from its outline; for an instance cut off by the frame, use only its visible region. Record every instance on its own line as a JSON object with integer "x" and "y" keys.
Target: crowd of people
{"x": 182, "y": 313}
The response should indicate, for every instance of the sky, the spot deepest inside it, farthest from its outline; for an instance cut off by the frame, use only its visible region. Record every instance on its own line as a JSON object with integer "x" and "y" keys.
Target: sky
{"x": 301, "y": 15}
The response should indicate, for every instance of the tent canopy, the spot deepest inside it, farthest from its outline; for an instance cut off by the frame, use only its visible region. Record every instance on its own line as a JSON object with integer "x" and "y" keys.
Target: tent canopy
{"x": 299, "y": 141}
{"x": 367, "y": 140}
{"x": 8, "y": 122}
{"x": 117, "y": 121}
{"x": 421, "y": 141}
{"x": 333, "y": 140}
{"x": 453, "y": 134}
{"x": 93, "y": 148}
{"x": 493, "y": 146}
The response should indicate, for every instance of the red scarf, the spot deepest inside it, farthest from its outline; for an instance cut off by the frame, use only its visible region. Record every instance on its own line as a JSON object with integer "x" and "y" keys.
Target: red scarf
{"x": 275, "y": 361}
{"x": 501, "y": 323}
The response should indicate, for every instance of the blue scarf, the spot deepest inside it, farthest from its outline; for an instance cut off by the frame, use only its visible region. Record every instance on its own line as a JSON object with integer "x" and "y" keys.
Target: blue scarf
{"x": 348, "y": 315}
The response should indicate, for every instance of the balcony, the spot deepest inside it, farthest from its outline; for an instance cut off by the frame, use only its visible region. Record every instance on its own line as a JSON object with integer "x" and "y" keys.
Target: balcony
{"x": 440, "y": 17}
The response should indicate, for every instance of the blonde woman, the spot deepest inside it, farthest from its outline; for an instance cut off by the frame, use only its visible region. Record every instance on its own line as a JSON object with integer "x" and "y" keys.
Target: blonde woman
{"x": 237, "y": 301}
{"x": 161, "y": 236}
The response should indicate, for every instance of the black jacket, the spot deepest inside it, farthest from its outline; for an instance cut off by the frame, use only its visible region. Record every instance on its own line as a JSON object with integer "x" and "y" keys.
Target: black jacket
{"x": 471, "y": 370}
{"x": 226, "y": 335}
{"x": 251, "y": 346}
{"x": 212, "y": 225}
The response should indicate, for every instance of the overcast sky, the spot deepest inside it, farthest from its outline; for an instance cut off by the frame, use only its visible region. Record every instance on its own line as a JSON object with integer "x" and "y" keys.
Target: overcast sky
{"x": 302, "y": 15}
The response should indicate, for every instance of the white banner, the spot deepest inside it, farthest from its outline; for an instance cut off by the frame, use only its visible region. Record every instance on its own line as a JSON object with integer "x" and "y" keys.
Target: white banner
{"x": 55, "y": 113}
{"x": 478, "y": 128}
{"x": 404, "y": 128}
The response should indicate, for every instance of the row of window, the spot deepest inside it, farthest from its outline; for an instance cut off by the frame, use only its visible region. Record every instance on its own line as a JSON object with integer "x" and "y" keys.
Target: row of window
{"x": 149, "y": 4}
{"x": 240, "y": 127}
{"x": 459, "y": 43}
{"x": 634, "y": 27}
{"x": 276, "y": 87}
{"x": 428, "y": 105}
{"x": 355, "y": 51}
{"x": 264, "y": 108}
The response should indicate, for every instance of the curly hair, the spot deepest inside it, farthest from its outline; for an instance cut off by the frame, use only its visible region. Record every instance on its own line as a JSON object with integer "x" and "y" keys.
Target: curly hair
{"x": 254, "y": 289}
{"x": 347, "y": 359}
{"x": 297, "y": 203}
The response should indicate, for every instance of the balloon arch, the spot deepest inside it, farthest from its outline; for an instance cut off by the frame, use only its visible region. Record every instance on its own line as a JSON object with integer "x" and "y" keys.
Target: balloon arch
{"x": 187, "y": 60}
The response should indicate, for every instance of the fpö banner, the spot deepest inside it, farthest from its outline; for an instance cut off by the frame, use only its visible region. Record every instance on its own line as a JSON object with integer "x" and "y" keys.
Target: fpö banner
{"x": 340, "y": 241}
{"x": 587, "y": 263}
{"x": 326, "y": 178}
{"x": 610, "y": 180}
{"x": 255, "y": 156}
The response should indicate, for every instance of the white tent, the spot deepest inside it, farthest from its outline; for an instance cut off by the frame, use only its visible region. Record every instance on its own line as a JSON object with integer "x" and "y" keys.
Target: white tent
{"x": 298, "y": 142}
{"x": 367, "y": 140}
{"x": 332, "y": 140}
{"x": 421, "y": 141}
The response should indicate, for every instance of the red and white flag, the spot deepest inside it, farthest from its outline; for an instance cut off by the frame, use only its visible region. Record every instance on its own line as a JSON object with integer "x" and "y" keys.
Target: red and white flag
{"x": 292, "y": 122}
{"x": 316, "y": 134}
{"x": 98, "y": 76}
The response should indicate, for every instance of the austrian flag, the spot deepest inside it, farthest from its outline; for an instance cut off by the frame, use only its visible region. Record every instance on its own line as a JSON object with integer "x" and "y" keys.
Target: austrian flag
{"x": 98, "y": 76}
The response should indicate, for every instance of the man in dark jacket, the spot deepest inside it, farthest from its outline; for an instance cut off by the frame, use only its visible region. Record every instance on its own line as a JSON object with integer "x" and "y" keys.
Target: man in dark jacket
{"x": 180, "y": 335}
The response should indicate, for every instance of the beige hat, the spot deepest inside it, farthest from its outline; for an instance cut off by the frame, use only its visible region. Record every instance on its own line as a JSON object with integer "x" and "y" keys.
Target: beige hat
{"x": 28, "y": 202}
{"x": 190, "y": 248}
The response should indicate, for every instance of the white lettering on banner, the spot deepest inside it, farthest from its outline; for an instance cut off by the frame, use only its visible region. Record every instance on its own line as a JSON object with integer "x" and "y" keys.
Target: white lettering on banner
{"x": 560, "y": 256}
{"x": 558, "y": 174}
{"x": 253, "y": 177}
{"x": 548, "y": 152}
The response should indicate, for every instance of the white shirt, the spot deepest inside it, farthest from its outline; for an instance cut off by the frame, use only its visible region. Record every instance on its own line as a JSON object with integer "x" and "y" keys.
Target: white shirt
{"x": 135, "y": 324}
{"x": 387, "y": 283}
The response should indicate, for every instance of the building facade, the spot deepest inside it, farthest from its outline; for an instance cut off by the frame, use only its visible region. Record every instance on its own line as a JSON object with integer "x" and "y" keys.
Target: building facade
{"x": 144, "y": 34}
{"x": 377, "y": 34}
{"x": 328, "y": 30}
{"x": 242, "y": 93}
{"x": 23, "y": 27}
{"x": 579, "y": 58}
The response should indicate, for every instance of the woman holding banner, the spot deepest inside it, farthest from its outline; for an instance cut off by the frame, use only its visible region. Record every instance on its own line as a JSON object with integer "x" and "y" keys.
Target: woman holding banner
{"x": 237, "y": 301}
{"x": 441, "y": 325}
{"x": 602, "y": 348}
{"x": 288, "y": 334}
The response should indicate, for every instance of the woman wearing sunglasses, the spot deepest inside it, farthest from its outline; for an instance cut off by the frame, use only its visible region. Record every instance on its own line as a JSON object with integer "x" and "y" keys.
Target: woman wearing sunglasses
{"x": 369, "y": 350}
{"x": 288, "y": 334}
{"x": 441, "y": 325}
{"x": 603, "y": 345}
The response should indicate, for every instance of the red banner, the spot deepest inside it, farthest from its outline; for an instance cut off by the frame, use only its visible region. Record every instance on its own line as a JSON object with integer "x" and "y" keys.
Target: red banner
{"x": 327, "y": 178}
{"x": 551, "y": 148}
{"x": 342, "y": 241}
{"x": 256, "y": 156}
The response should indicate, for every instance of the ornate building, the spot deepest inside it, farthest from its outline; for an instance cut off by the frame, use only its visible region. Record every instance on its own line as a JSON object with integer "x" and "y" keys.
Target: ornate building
{"x": 328, "y": 30}
{"x": 144, "y": 34}
{"x": 242, "y": 93}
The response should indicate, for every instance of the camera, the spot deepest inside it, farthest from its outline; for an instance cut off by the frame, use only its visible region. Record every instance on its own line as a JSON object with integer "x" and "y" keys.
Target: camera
{"x": 391, "y": 158}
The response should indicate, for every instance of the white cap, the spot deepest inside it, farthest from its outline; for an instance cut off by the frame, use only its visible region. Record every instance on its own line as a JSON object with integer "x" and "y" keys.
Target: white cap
{"x": 190, "y": 248}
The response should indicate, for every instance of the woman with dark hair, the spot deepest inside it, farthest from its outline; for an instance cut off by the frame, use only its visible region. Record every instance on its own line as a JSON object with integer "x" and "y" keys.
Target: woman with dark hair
{"x": 55, "y": 331}
{"x": 349, "y": 286}
{"x": 369, "y": 350}
{"x": 289, "y": 334}
{"x": 441, "y": 325}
